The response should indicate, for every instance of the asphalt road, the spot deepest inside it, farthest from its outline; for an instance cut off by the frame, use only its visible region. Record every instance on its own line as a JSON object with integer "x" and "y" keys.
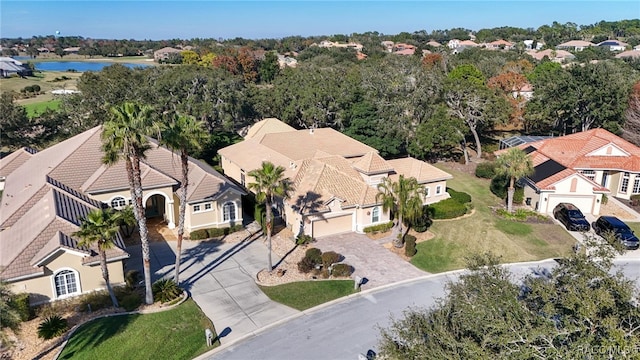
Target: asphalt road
{"x": 346, "y": 328}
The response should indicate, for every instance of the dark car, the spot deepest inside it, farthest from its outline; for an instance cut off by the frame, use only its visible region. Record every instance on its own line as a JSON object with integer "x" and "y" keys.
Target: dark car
{"x": 611, "y": 224}
{"x": 571, "y": 217}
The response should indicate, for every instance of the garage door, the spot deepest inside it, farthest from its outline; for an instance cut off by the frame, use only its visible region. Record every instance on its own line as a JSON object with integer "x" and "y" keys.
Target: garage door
{"x": 584, "y": 203}
{"x": 330, "y": 226}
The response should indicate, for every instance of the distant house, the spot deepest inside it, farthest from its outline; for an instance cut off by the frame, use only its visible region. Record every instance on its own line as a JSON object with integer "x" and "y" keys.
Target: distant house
{"x": 404, "y": 49}
{"x": 499, "y": 44}
{"x": 165, "y": 53}
{"x": 10, "y": 66}
{"x": 633, "y": 54}
{"x": 71, "y": 50}
{"x": 558, "y": 56}
{"x": 330, "y": 44}
{"x": 529, "y": 44}
{"x": 387, "y": 45}
{"x": 525, "y": 91}
{"x": 434, "y": 43}
{"x": 575, "y": 45}
{"x": 286, "y": 61}
{"x": 614, "y": 45}
{"x": 453, "y": 43}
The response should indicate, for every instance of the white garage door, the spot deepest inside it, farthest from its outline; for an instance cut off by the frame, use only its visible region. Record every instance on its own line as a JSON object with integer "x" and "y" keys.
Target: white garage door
{"x": 584, "y": 203}
{"x": 331, "y": 226}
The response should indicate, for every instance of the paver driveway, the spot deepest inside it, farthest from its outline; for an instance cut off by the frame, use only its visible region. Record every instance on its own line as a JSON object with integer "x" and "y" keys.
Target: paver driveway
{"x": 370, "y": 259}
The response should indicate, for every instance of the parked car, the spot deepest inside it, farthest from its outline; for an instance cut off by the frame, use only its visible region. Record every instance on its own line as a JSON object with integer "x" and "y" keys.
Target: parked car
{"x": 571, "y": 217}
{"x": 622, "y": 232}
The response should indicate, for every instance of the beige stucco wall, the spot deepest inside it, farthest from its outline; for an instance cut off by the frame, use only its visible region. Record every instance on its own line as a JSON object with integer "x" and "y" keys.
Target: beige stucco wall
{"x": 232, "y": 170}
{"x": 530, "y": 192}
{"x": 213, "y": 218}
{"x": 42, "y": 288}
{"x": 433, "y": 197}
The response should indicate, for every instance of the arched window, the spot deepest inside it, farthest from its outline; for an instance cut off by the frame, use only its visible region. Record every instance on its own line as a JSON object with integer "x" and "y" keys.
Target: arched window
{"x": 229, "y": 211}
{"x": 118, "y": 202}
{"x": 66, "y": 283}
{"x": 375, "y": 214}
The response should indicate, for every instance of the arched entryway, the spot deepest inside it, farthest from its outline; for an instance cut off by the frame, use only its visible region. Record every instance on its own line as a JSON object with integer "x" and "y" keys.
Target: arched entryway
{"x": 158, "y": 206}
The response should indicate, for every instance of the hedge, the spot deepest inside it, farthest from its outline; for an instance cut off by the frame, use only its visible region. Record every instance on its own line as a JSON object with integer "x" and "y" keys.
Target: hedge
{"x": 447, "y": 209}
{"x": 21, "y": 304}
{"x": 410, "y": 245}
{"x": 202, "y": 234}
{"x": 461, "y": 197}
{"x": 378, "y": 228}
{"x": 499, "y": 185}
{"x": 486, "y": 170}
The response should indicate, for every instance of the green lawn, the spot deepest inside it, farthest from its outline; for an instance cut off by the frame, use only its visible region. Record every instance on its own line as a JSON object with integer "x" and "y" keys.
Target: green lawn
{"x": 38, "y": 108}
{"x": 173, "y": 334}
{"x": 307, "y": 294}
{"x": 484, "y": 231}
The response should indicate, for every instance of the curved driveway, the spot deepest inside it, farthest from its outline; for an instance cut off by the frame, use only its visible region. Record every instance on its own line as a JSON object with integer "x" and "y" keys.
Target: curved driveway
{"x": 345, "y": 328}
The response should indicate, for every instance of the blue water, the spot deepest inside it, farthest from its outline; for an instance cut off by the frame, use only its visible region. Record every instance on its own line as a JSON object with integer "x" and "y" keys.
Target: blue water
{"x": 79, "y": 66}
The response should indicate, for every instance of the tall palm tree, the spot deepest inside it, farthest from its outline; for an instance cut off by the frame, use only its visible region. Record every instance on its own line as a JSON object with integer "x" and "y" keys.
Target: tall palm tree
{"x": 124, "y": 138}
{"x": 185, "y": 135}
{"x": 101, "y": 226}
{"x": 515, "y": 164}
{"x": 403, "y": 199}
{"x": 269, "y": 182}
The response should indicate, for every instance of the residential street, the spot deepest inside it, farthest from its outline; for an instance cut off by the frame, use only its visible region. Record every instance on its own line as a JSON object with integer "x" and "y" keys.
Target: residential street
{"x": 347, "y": 328}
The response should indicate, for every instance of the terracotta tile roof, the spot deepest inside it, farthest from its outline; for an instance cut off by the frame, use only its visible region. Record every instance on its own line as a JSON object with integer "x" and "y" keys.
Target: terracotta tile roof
{"x": 267, "y": 126}
{"x": 423, "y": 172}
{"x": 576, "y": 43}
{"x": 372, "y": 163}
{"x": 434, "y": 43}
{"x": 468, "y": 43}
{"x": 501, "y": 42}
{"x": 629, "y": 54}
{"x": 13, "y": 161}
{"x": 551, "y": 54}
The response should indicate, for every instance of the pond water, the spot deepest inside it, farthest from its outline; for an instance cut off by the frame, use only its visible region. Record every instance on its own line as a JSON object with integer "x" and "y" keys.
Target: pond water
{"x": 79, "y": 66}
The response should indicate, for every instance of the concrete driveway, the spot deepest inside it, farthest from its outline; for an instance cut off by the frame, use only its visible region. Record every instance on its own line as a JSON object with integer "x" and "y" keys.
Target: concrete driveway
{"x": 220, "y": 277}
{"x": 370, "y": 259}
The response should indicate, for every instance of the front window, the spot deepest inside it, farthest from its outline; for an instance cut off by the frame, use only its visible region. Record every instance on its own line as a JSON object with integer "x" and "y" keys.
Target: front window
{"x": 196, "y": 208}
{"x": 229, "y": 211}
{"x": 427, "y": 191}
{"x": 207, "y": 206}
{"x": 624, "y": 186}
{"x": 636, "y": 185}
{"x": 589, "y": 174}
{"x": 375, "y": 215}
{"x": 438, "y": 189}
{"x": 118, "y": 202}
{"x": 66, "y": 283}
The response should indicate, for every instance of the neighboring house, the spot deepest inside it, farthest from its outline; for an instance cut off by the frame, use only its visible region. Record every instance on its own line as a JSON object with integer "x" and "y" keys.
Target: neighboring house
{"x": 575, "y": 45}
{"x": 10, "y": 66}
{"x": 71, "y": 50}
{"x": 434, "y": 44}
{"x": 330, "y": 44}
{"x": 453, "y": 43}
{"x": 529, "y": 44}
{"x": 165, "y": 53}
{"x": 579, "y": 169}
{"x": 404, "y": 49}
{"x": 335, "y": 176}
{"x": 526, "y": 91}
{"x": 387, "y": 45}
{"x": 286, "y": 61}
{"x": 457, "y": 45}
{"x": 614, "y": 45}
{"x": 499, "y": 44}
{"x": 559, "y": 56}
{"x": 47, "y": 193}
{"x": 634, "y": 54}
{"x": 637, "y": 47}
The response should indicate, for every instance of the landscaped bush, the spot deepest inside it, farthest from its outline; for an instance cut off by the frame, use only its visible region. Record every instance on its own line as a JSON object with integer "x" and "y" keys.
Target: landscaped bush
{"x": 259, "y": 211}
{"x": 215, "y": 232}
{"x": 343, "y": 270}
{"x": 499, "y": 187}
{"x": 131, "y": 278}
{"x": 51, "y": 327}
{"x": 459, "y": 196}
{"x": 20, "y": 302}
{"x": 304, "y": 239}
{"x": 94, "y": 300}
{"x": 378, "y": 228}
{"x": 200, "y": 234}
{"x": 447, "y": 209}
{"x": 486, "y": 170}
{"x": 330, "y": 257}
{"x": 422, "y": 223}
{"x": 635, "y": 199}
{"x": 314, "y": 254}
{"x": 165, "y": 290}
{"x": 518, "y": 196}
{"x": 131, "y": 301}
{"x": 605, "y": 199}
{"x": 410, "y": 245}
{"x": 306, "y": 265}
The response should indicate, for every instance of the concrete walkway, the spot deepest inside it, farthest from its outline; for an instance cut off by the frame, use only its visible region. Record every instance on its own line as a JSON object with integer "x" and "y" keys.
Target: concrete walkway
{"x": 220, "y": 277}
{"x": 370, "y": 259}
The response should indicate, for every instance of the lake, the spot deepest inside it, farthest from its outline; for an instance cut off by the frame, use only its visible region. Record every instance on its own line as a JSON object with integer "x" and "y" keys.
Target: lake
{"x": 80, "y": 66}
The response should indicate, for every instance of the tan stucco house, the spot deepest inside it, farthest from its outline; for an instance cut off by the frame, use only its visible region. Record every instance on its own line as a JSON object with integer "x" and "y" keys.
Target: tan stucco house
{"x": 579, "y": 169}
{"x": 335, "y": 176}
{"x": 47, "y": 193}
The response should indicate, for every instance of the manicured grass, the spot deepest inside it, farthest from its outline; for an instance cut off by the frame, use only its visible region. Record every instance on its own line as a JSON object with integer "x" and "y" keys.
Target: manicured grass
{"x": 635, "y": 226}
{"x": 484, "y": 231}
{"x": 36, "y": 109}
{"x": 303, "y": 295}
{"x": 173, "y": 334}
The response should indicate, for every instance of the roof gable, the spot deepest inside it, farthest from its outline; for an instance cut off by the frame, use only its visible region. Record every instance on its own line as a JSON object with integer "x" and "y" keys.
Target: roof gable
{"x": 610, "y": 149}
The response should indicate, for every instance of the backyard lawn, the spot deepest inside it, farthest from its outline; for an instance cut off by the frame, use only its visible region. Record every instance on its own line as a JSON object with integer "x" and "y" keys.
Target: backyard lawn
{"x": 173, "y": 334}
{"x": 307, "y": 294}
{"x": 484, "y": 231}
{"x": 35, "y": 109}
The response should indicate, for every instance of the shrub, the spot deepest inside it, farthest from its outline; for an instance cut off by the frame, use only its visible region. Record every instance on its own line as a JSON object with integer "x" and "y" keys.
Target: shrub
{"x": 330, "y": 257}
{"x": 486, "y": 170}
{"x": 378, "y": 228}
{"x": 258, "y": 214}
{"x": 314, "y": 254}
{"x": 447, "y": 209}
{"x": 422, "y": 223}
{"x": 518, "y": 195}
{"x": 605, "y": 199}
{"x": 20, "y": 302}
{"x": 410, "y": 245}
{"x": 131, "y": 301}
{"x": 342, "y": 270}
{"x": 131, "y": 278}
{"x": 304, "y": 239}
{"x": 306, "y": 265}
{"x": 95, "y": 300}
{"x": 51, "y": 327}
{"x": 165, "y": 290}
{"x": 459, "y": 196}
{"x": 35, "y": 88}
{"x": 499, "y": 186}
{"x": 199, "y": 234}
{"x": 635, "y": 199}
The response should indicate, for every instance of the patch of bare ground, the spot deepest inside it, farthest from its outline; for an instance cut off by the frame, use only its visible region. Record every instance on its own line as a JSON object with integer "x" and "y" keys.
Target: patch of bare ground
{"x": 613, "y": 209}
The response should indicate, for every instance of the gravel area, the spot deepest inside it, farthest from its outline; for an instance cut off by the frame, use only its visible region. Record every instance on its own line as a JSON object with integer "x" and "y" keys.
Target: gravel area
{"x": 611, "y": 208}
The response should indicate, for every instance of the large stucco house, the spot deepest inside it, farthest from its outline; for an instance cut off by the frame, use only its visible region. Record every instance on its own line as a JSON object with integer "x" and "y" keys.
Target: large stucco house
{"x": 580, "y": 168}
{"x": 335, "y": 176}
{"x": 47, "y": 193}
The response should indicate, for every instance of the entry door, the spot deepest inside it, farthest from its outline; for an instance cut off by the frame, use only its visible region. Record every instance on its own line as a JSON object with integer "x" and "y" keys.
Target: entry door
{"x": 605, "y": 179}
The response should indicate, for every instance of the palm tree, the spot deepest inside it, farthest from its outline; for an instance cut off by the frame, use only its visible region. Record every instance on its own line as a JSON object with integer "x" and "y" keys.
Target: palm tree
{"x": 269, "y": 182}
{"x": 128, "y": 220}
{"x": 403, "y": 199}
{"x": 183, "y": 134}
{"x": 124, "y": 138}
{"x": 515, "y": 164}
{"x": 101, "y": 226}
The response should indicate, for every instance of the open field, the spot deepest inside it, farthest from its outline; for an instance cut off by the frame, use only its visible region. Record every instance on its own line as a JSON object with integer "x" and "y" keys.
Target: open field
{"x": 47, "y": 82}
{"x": 35, "y": 109}
{"x": 126, "y": 59}
{"x": 484, "y": 231}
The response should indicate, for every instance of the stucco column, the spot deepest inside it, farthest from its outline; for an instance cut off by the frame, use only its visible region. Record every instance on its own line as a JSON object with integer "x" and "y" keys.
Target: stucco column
{"x": 171, "y": 220}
